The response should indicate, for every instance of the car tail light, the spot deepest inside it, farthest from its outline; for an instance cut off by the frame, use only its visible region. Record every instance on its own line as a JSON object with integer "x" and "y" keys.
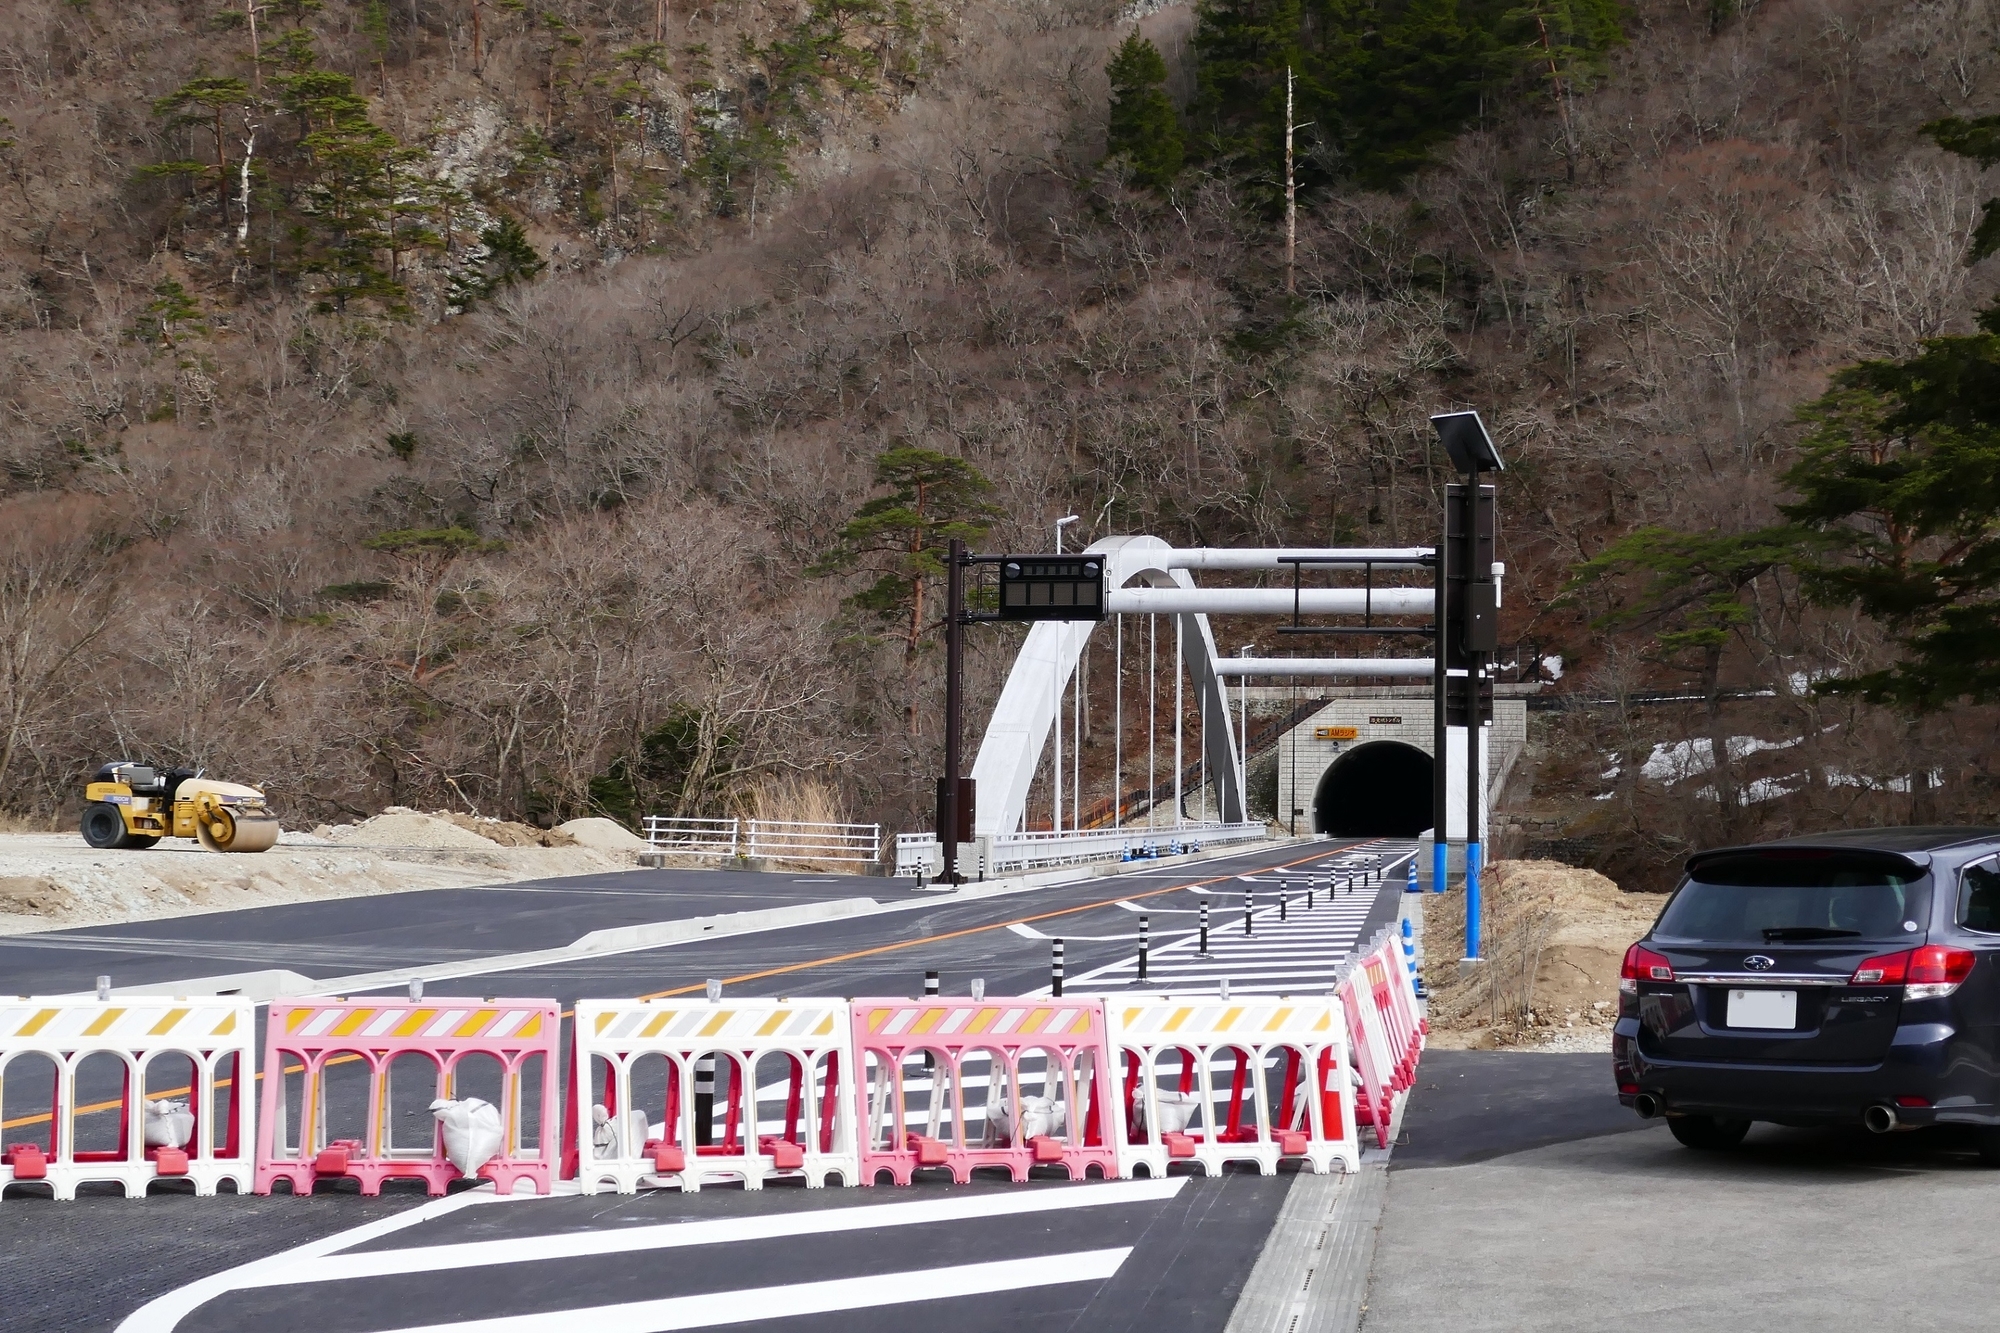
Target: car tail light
{"x": 1925, "y": 973}
{"x": 1882, "y": 970}
{"x": 1913, "y": 1103}
{"x": 1642, "y": 964}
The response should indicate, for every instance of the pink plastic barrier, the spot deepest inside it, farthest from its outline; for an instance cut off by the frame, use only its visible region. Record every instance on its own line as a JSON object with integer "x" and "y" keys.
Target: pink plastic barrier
{"x": 965, "y": 1084}
{"x": 367, "y": 1043}
{"x": 1390, "y": 989}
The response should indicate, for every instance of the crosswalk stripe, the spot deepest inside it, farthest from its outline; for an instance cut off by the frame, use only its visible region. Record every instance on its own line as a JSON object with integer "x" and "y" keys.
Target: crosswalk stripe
{"x": 1303, "y": 952}
{"x": 718, "y": 1231}
{"x": 805, "y": 1298}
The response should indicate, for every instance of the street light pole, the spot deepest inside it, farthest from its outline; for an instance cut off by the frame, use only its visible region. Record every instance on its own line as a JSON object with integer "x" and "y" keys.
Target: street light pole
{"x": 1055, "y": 695}
{"x": 954, "y": 664}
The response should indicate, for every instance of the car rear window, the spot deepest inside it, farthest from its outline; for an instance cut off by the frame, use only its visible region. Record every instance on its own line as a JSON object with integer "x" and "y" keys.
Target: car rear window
{"x": 1979, "y": 897}
{"x": 1803, "y": 898}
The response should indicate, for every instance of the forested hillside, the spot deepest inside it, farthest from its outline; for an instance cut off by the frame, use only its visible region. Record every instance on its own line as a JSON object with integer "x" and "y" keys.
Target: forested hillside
{"x": 469, "y": 402}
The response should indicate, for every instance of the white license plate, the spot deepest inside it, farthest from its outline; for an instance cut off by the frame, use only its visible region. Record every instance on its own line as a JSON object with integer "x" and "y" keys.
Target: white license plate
{"x": 1777, "y": 1010}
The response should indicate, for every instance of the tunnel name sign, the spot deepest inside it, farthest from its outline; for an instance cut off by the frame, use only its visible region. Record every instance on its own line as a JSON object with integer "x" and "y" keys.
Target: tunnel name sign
{"x": 1052, "y": 587}
{"x": 1385, "y": 721}
{"x": 1336, "y": 733}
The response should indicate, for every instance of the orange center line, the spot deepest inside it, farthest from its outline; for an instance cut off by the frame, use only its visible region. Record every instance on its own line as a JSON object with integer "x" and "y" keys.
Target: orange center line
{"x": 975, "y": 930}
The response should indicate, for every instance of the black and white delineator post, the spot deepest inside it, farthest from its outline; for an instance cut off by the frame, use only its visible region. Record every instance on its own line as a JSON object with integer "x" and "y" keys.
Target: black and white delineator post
{"x": 1056, "y": 969}
{"x": 1468, "y": 623}
{"x": 1145, "y": 945}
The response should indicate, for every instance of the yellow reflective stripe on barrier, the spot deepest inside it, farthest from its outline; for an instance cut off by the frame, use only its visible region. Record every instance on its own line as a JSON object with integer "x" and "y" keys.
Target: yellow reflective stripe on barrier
{"x": 876, "y": 1017}
{"x": 983, "y": 1021}
{"x": 1229, "y": 1019}
{"x": 715, "y": 1025}
{"x": 825, "y": 1027}
{"x": 931, "y": 1018}
{"x": 531, "y": 1028}
{"x": 477, "y": 1024}
{"x": 226, "y": 1026}
{"x": 652, "y": 1029}
{"x": 103, "y": 1021}
{"x": 604, "y": 1021}
{"x": 1174, "y": 1024}
{"x": 38, "y": 1022}
{"x": 167, "y": 1024}
{"x": 1277, "y": 1020}
{"x": 1037, "y": 1021}
{"x": 414, "y": 1024}
{"x": 347, "y": 1026}
{"x": 774, "y": 1022}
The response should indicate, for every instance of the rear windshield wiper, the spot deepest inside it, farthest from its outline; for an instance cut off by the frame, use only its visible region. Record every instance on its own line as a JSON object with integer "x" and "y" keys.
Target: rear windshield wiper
{"x": 1774, "y": 933}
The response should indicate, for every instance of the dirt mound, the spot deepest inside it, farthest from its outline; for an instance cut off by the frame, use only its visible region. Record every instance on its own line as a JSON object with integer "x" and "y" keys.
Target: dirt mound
{"x": 1553, "y": 937}
{"x": 400, "y": 826}
{"x": 605, "y": 835}
{"x": 32, "y": 895}
{"x": 506, "y": 832}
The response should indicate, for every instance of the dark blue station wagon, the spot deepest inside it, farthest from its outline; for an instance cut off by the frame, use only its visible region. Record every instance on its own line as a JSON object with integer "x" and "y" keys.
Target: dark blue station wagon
{"x": 1848, "y": 978}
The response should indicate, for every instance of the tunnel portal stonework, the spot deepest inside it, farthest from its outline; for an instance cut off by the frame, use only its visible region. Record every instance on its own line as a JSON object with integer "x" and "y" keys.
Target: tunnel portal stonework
{"x": 1356, "y": 716}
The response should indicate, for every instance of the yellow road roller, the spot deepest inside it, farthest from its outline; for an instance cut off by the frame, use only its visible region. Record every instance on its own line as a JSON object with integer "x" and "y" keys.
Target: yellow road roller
{"x": 135, "y": 805}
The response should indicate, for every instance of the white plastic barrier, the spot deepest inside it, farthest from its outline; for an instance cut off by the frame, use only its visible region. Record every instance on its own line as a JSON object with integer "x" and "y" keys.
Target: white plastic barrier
{"x": 1215, "y": 1081}
{"x": 168, "y": 1068}
{"x": 782, "y": 1082}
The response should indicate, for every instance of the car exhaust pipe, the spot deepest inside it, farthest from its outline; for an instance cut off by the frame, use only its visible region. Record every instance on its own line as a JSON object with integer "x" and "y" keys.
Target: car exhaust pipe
{"x": 1649, "y": 1108}
{"x": 1879, "y": 1119}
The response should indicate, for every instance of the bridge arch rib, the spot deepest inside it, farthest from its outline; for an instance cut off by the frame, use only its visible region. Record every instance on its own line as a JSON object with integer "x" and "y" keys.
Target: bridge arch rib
{"x": 1023, "y": 716}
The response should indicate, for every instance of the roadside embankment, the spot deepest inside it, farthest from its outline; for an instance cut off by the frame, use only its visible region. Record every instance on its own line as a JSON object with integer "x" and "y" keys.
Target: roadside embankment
{"x": 1553, "y": 937}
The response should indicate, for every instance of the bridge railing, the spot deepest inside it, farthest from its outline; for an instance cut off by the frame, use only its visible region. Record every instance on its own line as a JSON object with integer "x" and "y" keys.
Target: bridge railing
{"x": 789, "y": 840}
{"x": 919, "y": 853}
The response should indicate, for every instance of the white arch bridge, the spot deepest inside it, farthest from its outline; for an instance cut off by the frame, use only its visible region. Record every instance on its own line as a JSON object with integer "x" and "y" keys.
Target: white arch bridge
{"x": 1146, "y": 576}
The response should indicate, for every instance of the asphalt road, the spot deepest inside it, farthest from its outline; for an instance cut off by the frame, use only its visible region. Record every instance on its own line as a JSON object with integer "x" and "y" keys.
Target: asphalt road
{"x": 1525, "y": 1197}
{"x": 98, "y": 1258}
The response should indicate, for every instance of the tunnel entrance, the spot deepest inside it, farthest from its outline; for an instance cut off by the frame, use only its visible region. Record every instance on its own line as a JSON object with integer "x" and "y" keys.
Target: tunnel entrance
{"x": 1378, "y": 790}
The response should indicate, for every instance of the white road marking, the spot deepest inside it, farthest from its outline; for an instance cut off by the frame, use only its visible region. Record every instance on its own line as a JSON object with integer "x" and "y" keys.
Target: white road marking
{"x": 804, "y": 1298}
{"x": 163, "y": 1314}
{"x": 720, "y": 1231}
{"x": 320, "y": 1260}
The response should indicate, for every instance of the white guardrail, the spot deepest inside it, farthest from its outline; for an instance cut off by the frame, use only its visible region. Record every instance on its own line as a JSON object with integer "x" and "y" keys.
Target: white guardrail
{"x": 787, "y": 840}
{"x": 920, "y": 854}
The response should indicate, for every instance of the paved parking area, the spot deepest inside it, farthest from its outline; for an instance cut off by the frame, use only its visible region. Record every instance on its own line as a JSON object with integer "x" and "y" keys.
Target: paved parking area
{"x": 1525, "y": 1197}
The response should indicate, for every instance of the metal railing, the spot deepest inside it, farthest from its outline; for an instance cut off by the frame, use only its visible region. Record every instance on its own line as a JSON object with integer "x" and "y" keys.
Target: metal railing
{"x": 782, "y": 839}
{"x": 919, "y": 853}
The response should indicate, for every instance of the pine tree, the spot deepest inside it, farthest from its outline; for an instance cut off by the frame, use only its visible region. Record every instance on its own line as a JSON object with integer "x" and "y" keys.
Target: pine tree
{"x": 1145, "y": 133}
{"x": 1900, "y": 481}
{"x": 902, "y": 536}
{"x": 203, "y": 100}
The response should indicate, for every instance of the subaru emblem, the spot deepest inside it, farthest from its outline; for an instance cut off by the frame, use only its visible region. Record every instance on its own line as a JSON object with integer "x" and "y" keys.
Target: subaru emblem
{"x": 1760, "y": 962}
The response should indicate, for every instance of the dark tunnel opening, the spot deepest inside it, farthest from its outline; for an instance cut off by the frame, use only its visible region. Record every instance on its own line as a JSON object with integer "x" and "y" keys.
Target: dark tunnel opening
{"x": 1379, "y": 790}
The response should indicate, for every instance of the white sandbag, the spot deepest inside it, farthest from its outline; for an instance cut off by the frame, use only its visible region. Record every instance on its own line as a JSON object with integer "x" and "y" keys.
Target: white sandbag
{"x": 472, "y": 1133}
{"x": 637, "y": 1131}
{"x": 168, "y": 1124}
{"x": 604, "y": 1134}
{"x": 1041, "y": 1116}
{"x": 1176, "y": 1111}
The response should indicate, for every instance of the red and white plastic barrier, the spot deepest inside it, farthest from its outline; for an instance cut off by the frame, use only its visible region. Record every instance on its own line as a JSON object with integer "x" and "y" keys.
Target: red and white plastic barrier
{"x": 184, "y": 1070}
{"x": 1214, "y": 1081}
{"x": 966, "y": 1084}
{"x": 1386, "y": 1034}
{"x": 783, "y": 1083}
{"x": 309, "y": 1042}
